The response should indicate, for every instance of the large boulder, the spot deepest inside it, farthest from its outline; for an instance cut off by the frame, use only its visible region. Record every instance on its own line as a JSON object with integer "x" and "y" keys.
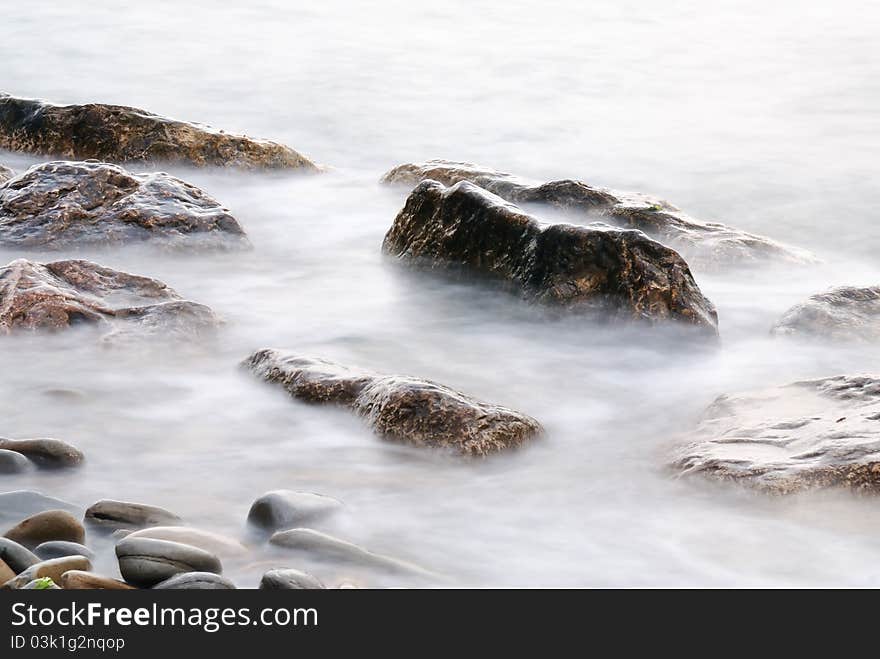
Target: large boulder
{"x": 585, "y": 268}
{"x": 121, "y": 134}
{"x": 404, "y": 409}
{"x": 707, "y": 244}
{"x": 811, "y": 434}
{"x": 64, "y": 205}
{"x": 845, "y": 313}
{"x": 58, "y": 295}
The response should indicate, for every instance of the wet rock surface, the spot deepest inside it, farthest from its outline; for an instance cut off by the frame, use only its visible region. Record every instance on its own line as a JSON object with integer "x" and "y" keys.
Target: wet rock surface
{"x": 209, "y": 541}
{"x": 196, "y": 581}
{"x": 812, "y": 434}
{"x": 846, "y": 313}
{"x": 61, "y": 548}
{"x": 6, "y": 572}
{"x": 620, "y": 273}
{"x": 52, "y": 569}
{"x": 289, "y": 579}
{"x": 121, "y": 134}
{"x": 707, "y": 244}
{"x": 18, "y": 557}
{"x": 109, "y": 514}
{"x": 5, "y": 174}
{"x": 63, "y": 294}
{"x": 47, "y": 453}
{"x": 46, "y": 526}
{"x": 64, "y": 205}
{"x": 146, "y": 562}
{"x": 82, "y": 580}
{"x": 12, "y": 462}
{"x": 283, "y": 509}
{"x": 408, "y": 410}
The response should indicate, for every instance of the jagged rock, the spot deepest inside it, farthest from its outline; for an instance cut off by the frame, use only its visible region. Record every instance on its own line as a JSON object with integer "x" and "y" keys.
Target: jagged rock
{"x": 53, "y": 569}
{"x": 58, "y": 295}
{"x": 409, "y": 410}
{"x": 811, "y": 434}
{"x": 708, "y": 244}
{"x": 845, "y": 313}
{"x": 598, "y": 267}
{"x": 111, "y": 515}
{"x": 120, "y": 134}
{"x": 146, "y": 562}
{"x": 5, "y": 174}
{"x": 47, "y": 453}
{"x": 64, "y": 205}
{"x": 283, "y": 509}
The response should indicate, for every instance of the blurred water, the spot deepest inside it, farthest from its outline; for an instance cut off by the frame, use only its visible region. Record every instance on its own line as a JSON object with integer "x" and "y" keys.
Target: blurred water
{"x": 762, "y": 115}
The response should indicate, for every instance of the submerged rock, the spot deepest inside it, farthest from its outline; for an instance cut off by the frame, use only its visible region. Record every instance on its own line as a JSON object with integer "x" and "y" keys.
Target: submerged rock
{"x": 121, "y": 134}
{"x": 708, "y": 244}
{"x": 283, "y": 509}
{"x": 21, "y": 503}
{"x": 64, "y": 205}
{"x": 811, "y": 434}
{"x": 112, "y": 515}
{"x": 47, "y": 453}
{"x": 12, "y": 462}
{"x": 45, "y": 526}
{"x": 58, "y": 295}
{"x": 596, "y": 267}
{"x": 146, "y": 562}
{"x": 404, "y": 409}
{"x": 845, "y": 313}
{"x": 214, "y": 543}
{"x": 5, "y": 174}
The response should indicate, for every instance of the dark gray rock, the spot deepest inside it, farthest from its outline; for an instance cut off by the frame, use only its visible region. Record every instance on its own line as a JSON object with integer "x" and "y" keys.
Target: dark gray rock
{"x": 53, "y": 569}
{"x": 61, "y": 548}
{"x": 707, "y": 244}
{"x": 17, "y": 504}
{"x": 47, "y": 453}
{"x": 196, "y": 581}
{"x": 119, "y": 133}
{"x": 289, "y": 579}
{"x": 409, "y": 410}
{"x": 12, "y": 462}
{"x": 45, "y": 526}
{"x": 65, "y": 205}
{"x": 609, "y": 272}
{"x": 63, "y": 294}
{"x": 146, "y": 562}
{"x": 841, "y": 314}
{"x": 812, "y": 434}
{"x": 18, "y": 557}
{"x": 283, "y": 509}
{"x": 111, "y": 515}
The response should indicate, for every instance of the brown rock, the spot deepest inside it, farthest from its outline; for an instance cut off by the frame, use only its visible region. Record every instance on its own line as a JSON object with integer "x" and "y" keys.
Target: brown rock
{"x": 5, "y": 174}
{"x": 48, "y": 453}
{"x": 54, "y": 569}
{"x": 707, "y": 244}
{"x": 65, "y": 293}
{"x": 621, "y": 273}
{"x": 81, "y": 580}
{"x": 120, "y": 134}
{"x": 404, "y": 409}
{"x": 49, "y": 525}
{"x": 62, "y": 205}
{"x": 6, "y": 572}
{"x": 841, "y": 314}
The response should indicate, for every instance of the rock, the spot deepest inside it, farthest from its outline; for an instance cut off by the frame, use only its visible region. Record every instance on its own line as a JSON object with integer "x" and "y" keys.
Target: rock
{"x": 195, "y": 581}
{"x": 123, "y": 514}
{"x": 5, "y": 174}
{"x": 81, "y": 580}
{"x": 49, "y": 525}
{"x": 408, "y": 410}
{"x": 324, "y": 547}
{"x": 211, "y": 542}
{"x": 846, "y": 313}
{"x": 145, "y": 561}
{"x": 121, "y": 134}
{"x": 12, "y": 462}
{"x": 707, "y": 244}
{"x": 53, "y": 569}
{"x": 812, "y": 434}
{"x": 6, "y": 572}
{"x": 620, "y": 273}
{"x": 65, "y": 205}
{"x": 66, "y": 293}
{"x": 60, "y": 548}
{"x": 48, "y": 453}
{"x": 289, "y": 579}
{"x": 44, "y": 583}
{"x": 21, "y": 503}
{"x": 283, "y": 509}
{"x": 17, "y": 557}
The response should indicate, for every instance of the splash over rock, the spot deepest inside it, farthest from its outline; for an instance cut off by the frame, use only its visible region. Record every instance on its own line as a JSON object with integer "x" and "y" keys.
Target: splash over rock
{"x": 404, "y": 409}
{"x": 63, "y": 205}
{"x": 594, "y": 267}
{"x": 811, "y": 434}
{"x": 846, "y": 313}
{"x": 122, "y": 134}
{"x": 706, "y": 244}
{"x": 58, "y": 295}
